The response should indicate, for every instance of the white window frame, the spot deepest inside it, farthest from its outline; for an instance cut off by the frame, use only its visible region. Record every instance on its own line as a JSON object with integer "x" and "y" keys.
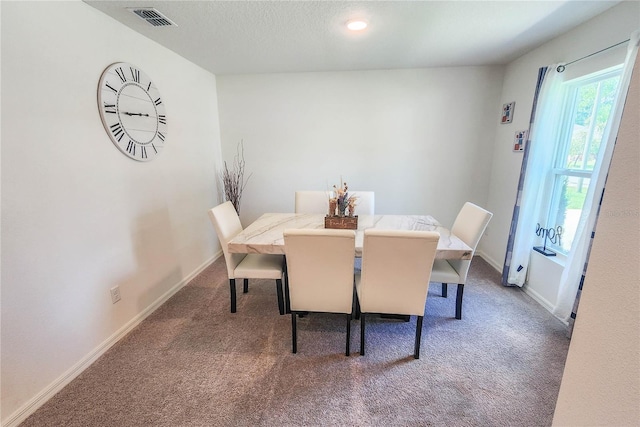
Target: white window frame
{"x": 552, "y": 191}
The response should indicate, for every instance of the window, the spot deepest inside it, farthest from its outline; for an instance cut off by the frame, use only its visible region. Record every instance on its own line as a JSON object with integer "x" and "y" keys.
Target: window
{"x": 588, "y": 102}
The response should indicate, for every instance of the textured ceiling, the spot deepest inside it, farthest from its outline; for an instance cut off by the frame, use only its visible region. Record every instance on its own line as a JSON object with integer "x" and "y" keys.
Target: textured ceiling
{"x": 232, "y": 37}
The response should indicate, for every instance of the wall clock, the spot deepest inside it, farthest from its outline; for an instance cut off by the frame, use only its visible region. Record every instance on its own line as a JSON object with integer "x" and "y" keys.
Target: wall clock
{"x": 132, "y": 111}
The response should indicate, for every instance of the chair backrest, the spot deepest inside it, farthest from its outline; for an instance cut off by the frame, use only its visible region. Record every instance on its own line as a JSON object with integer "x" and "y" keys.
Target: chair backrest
{"x": 365, "y": 203}
{"x": 312, "y": 202}
{"x": 320, "y": 268}
{"x": 469, "y": 226}
{"x": 396, "y": 269}
{"x": 227, "y": 225}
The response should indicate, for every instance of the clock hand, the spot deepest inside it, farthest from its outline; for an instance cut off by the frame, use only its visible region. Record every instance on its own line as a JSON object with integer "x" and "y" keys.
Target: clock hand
{"x": 134, "y": 114}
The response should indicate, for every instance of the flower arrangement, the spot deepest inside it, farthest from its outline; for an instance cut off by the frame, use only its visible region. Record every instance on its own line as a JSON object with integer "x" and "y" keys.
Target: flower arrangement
{"x": 344, "y": 203}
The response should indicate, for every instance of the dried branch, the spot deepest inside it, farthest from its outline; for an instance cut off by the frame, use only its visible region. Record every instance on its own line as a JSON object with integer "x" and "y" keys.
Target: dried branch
{"x": 233, "y": 179}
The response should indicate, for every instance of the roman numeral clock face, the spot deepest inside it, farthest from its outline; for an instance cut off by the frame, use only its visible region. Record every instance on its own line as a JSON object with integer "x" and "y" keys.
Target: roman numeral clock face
{"x": 132, "y": 111}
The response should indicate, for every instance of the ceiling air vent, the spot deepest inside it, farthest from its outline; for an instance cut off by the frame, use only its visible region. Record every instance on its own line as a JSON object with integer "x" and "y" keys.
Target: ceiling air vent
{"x": 153, "y": 17}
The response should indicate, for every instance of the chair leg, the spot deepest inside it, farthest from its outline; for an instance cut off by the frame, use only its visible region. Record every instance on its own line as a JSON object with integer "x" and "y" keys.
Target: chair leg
{"x": 444, "y": 290}
{"x": 348, "y": 349}
{"x": 245, "y": 287}
{"x": 362, "y": 321}
{"x": 232, "y": 292}
{"x": 459, "y": 301}
{"x": 287, "y": 302}
{"x": 357, "y": 304}
{"x": 280, "y": 297}
{"x": 416, "y": 350}
{"x": 294, "y": 334}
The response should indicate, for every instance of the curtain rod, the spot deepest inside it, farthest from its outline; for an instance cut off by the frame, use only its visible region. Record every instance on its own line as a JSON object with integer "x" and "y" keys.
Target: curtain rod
{"x": 561, "y": 68}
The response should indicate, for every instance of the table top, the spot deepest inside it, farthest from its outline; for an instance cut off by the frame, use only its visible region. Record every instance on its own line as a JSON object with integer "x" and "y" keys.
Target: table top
{"x": 265, "y": 235}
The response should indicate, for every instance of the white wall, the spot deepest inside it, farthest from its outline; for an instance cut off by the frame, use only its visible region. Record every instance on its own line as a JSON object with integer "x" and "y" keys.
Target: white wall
{"x": 384, "y": 131}
{"x": 78, "y": 217}
{"x": 601, "y": 381}
{"x": 609, "y": 28}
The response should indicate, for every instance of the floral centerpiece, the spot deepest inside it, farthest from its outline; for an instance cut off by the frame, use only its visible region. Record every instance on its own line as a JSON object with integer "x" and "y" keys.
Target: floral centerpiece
{"x": 345, "y": 203}
{"x": 342, "y": 207}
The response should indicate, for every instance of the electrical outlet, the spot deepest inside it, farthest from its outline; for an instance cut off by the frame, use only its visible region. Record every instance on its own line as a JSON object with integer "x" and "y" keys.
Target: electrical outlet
{"x": 115, "y": 294}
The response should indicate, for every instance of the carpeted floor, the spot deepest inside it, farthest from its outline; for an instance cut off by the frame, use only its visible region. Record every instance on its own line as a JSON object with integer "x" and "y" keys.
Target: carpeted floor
{"x": 192, "y": 363}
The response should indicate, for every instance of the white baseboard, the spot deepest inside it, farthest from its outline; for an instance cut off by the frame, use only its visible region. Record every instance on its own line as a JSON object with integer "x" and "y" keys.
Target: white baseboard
{"x": 493, "y": 263}
{"x": 542, "y": 301}
{"x": 48, "y": 392}
{"x": 536, "y": 296}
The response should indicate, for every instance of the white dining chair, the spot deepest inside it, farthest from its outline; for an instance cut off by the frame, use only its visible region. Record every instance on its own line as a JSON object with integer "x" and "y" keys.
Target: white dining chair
{"x": 469, "y": 226}
{"x": 317, "y": 202}
{"x": 320, "y": 270}
{"x": 396, "y": 268}
{"x": 365, "y": 204}
{"x": 312, "y": 202}
{"x": 244, "y": 266}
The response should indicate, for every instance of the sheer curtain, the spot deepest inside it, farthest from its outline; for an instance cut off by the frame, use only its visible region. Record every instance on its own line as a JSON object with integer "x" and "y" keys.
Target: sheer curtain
{"x": 530, "y": 200}
{"x": 577, "y": 257}
{"x": 542, "y": 139}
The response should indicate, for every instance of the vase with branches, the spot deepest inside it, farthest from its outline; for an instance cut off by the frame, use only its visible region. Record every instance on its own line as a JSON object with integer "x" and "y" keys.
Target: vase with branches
{"x": 233, "y": 178}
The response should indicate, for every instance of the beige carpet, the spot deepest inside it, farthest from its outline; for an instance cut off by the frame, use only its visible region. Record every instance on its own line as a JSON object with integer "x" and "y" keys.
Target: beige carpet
{"x": 192, "y": 363}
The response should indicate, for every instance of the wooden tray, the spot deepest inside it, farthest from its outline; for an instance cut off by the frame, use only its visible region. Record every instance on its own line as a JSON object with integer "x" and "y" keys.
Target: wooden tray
{"x": 341, "y": 222}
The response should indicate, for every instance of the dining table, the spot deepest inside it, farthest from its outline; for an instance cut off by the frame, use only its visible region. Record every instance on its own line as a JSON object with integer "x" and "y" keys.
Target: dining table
{"x": 265, "y": 234}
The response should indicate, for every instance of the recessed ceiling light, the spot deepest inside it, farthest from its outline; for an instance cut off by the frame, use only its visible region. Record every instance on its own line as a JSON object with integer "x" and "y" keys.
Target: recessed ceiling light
{"x": 356, "y": 25}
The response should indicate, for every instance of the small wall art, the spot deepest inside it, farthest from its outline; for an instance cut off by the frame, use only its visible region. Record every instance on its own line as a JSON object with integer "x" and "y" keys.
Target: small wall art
{"x": 507, "y": 112}
{"x": 520, "y": 139}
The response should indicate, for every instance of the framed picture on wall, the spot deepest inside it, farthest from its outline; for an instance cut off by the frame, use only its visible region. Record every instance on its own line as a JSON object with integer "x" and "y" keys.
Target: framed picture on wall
{"x": 520, "y": 139}
{"x": 507, "y": 112}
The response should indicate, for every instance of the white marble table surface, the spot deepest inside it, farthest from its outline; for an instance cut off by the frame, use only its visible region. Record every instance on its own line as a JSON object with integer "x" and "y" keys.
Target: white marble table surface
{"x": 265, "y": 235}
